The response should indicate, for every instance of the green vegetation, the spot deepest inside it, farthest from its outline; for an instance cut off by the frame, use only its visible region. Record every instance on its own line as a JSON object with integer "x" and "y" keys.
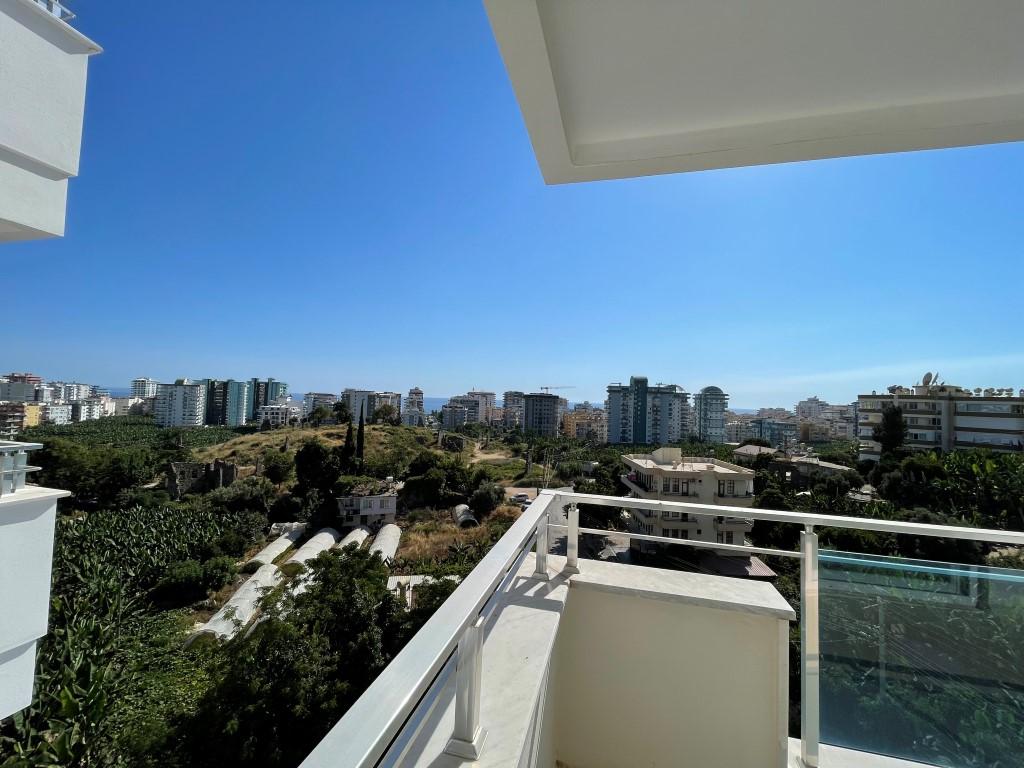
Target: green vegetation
{"x": 133, "y": 431}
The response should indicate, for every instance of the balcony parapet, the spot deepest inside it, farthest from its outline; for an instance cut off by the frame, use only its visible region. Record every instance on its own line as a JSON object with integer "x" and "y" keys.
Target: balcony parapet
{"x": 14, "y": 466}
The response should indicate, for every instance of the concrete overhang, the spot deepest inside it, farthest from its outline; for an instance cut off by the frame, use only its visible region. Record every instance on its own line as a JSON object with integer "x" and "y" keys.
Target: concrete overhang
{"x": 612, "y": 89}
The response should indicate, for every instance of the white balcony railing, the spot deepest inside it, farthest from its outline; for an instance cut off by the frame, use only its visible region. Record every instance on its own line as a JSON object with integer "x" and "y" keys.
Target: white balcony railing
{"x": 55, "y": 8}
{"x": 14, "y": 465}
{"x": 388, "y": 715}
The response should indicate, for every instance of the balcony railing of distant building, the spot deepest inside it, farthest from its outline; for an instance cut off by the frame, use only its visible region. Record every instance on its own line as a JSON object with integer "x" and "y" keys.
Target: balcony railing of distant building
{"x": 380, "y": 724}
{"x": 14, "y": 465}
{"x": 55, "y": 8}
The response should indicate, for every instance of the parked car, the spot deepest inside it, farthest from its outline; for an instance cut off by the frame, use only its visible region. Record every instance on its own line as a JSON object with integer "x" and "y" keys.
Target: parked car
{"x": 521, "y": 498}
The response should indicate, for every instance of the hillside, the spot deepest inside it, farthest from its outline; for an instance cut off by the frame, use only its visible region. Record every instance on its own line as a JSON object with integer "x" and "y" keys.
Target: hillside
{"x": 380, "y": 440}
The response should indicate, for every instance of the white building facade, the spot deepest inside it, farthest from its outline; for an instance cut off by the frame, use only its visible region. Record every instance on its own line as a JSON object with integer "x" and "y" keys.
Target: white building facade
{"x": 182, "y": 404}
{"x": 638, "y": 413}
{"x": 709, "y": 406}
{"x": 946, "y": 417}
{"x": 665, "y": 474}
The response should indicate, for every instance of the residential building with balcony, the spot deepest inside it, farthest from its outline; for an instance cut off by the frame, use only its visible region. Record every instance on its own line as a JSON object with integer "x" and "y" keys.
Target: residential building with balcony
{"x": 57, "y": 413}
{"x": 542, "y": 414}
{"x": 393, "y": 399}
{"x": 474, "y": 407}
{"x": 360, "y": 401}
{"x": 279, "y": 414}
{"x": 665, "y": 474}
{"x": 454, "y": 416}
{"x": 130, "y": 406}
{"x": 182, "y": 404}
{"x": 23, "y": 378}
{"x": 313, "y": 400}
{"x": 227, "y": 402}
{"x": 414, "y": 400}
{"x": 17, "y": 391}
{"x": 17, "y": 417}
{"x": 372, "y": 505}
{"x": 640, "y": 414}
{"x": 92, "y": 408}
{"x": 487, "y": 402}
{"x": 709, "y": 414}
{"x": 810, "y": 409}
{"x": 513, "y": 402}
{"x": 946, "y": 417}
{"x": 413, "y": 413}
{"x": 586, "y": 422}
{"x": 144, "y": 387}
{"x": 263, "y": 393}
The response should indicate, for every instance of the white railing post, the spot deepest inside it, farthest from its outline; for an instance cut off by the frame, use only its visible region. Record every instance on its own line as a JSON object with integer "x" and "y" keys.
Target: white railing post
{"x": 540, "y": 570}
{"x": 572, "y": 541}
{"x": 810, "y": 659}
{"x": 468, "y": 736}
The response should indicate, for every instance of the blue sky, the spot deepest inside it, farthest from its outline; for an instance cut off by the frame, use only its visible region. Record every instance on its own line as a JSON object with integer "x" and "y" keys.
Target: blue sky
{"x": 350, "y": 199}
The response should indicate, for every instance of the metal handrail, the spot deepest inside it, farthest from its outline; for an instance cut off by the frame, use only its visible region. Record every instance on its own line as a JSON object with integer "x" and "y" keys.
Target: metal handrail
{"x": 14, "y": 465}
{"x": 363, "y": 735}
{"x": 57, "y": 9}
{"x": 990, "y": 535}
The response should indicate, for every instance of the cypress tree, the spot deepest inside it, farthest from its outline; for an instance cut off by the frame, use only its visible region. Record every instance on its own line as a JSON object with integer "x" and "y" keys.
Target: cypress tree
{"x": 360, "y": 438}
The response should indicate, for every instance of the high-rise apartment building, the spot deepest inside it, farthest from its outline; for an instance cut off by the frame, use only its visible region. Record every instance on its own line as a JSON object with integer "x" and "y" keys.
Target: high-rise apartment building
{"x": 642, "y": 414}
{"x": 263, "y": 393}
{"x": 182, "y": 404}
{"x": 472, "y": 406}
{"x": 946, "y": 417}
{"x": 487, "y": 402}
{"x": 810, "y": 409}
{"x": 144, "y": 387}
{"x": 387, "y": 398}
{"x": 227, "y": 402}
{"x": 19, "y": 391}
{"x": 360, "y": 401}
{"x": 24, "y": 378}
{"x": 513, "y": 403}
{"x": 313, "y": 400}
{"x": 454, "y": 415}
{"x": 709, "y": 407}
{"x": 413, "y": 414}
{"x": 414, "y": 401}
{"x": 541, "y": 414}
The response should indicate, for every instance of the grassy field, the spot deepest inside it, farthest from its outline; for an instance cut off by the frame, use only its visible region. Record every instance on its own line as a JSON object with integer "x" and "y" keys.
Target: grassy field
{"x": 245, "y": 449}
{"x": 432, "y": 535}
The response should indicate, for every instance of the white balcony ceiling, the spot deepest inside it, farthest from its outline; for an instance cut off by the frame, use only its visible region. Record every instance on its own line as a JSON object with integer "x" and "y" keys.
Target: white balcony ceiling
{"x": 613, "y": 89}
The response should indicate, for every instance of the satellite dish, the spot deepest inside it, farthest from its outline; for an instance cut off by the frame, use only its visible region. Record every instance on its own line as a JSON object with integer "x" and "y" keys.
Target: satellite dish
{"x": 935, "y": 377}
{"x": 927, "y": 379}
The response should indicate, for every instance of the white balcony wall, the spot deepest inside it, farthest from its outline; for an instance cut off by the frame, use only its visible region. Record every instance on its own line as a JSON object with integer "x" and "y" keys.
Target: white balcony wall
{"x": 27, "y": 519}
{"x": 618, "y": 666}
{"x": 43, "y": 62}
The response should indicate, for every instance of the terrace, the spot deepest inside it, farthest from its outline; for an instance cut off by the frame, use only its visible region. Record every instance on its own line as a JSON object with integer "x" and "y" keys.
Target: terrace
{"x": 541, "y": 659}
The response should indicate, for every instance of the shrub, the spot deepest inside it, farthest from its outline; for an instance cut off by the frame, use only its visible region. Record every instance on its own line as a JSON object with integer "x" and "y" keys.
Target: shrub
{"x": 183, "y": 583}
{"x": 218, "y": 571}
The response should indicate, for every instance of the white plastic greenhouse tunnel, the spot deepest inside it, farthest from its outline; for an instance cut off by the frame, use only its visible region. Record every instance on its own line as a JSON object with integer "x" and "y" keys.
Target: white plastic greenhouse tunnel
{"x": 386, "y": 542}
{"x": 322, "y": 541}
{"x": 277, "y": 547}
{"x": 239, "y": 610}
{"x": 357, "y": 537}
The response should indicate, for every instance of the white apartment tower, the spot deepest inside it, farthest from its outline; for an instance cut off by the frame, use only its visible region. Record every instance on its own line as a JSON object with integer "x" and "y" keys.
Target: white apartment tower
{"x": 143, "y": 387}
{"x": 182, "y": 404}
{"x": 709, "y": 414}
{"x": 640, "y": 414}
